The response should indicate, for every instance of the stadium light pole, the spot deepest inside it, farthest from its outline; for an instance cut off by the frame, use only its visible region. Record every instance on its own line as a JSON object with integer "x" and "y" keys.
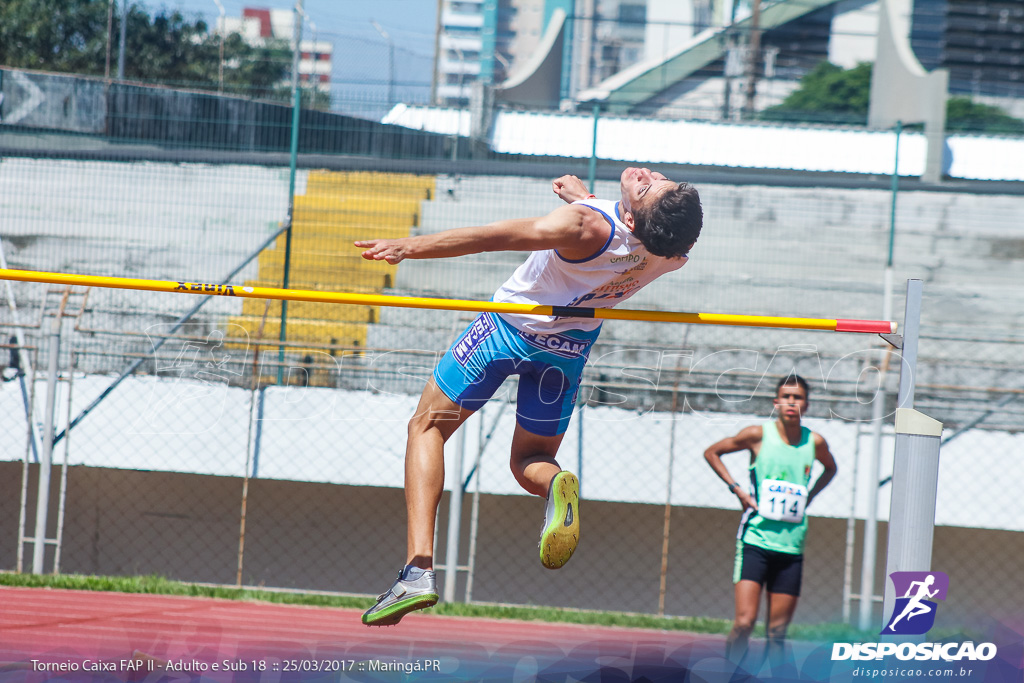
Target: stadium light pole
{"x": 733, "y": 68}
{"x": 753, "y": 55}
{"x": 391, "y": 61}
{"x": 314, "y": 55}
{"x": 313, "y": 52}
{"x": 296, "y": 45}
{"x": 437, "y": 54}
{"x": 462, "y": 71}
{"x": 110, "y": 30}
{"x": 123, "y": 39}
{"x": 220, "y": 30}
{"x": 887, "y": 303}
{"x": 314, "y": 75}
{"x": 592, "y": 166}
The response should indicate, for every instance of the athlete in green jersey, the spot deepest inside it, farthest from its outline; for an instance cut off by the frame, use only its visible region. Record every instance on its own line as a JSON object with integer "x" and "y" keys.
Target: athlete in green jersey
{"x": 770, "y": 540}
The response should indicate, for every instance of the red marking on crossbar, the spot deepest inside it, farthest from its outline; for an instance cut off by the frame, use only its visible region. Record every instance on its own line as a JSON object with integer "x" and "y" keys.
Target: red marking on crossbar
{"x": 878, "y": 326}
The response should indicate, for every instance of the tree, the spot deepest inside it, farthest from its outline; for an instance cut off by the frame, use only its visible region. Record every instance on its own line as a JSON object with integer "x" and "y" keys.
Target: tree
{"x": 54, "y": 35}
{"x": 828, "y": 93}
{"x": 256, "y": 71}
{"x": 964, "y": 115}
{"x": 70, "y": 36}
{"x": 168, "y": 49}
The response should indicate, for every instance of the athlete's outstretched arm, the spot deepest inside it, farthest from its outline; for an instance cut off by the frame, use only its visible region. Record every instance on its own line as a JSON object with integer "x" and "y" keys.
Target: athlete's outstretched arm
{"x": 576, "y": 231}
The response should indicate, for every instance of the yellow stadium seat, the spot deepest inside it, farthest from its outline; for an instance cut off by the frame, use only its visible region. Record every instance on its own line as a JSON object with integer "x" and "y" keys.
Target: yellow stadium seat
{"x": 337, "y": 209}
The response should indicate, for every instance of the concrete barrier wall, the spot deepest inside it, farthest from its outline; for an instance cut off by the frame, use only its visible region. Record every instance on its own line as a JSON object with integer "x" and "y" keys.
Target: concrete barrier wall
{"x": 352, "y": 540}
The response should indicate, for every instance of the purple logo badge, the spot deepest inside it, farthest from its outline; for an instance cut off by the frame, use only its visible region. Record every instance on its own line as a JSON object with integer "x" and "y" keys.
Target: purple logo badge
{"x": 914, "y": 612}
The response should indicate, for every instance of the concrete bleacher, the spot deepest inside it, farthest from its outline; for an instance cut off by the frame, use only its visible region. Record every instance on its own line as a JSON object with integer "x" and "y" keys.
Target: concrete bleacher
{"x": 336, "y": 209}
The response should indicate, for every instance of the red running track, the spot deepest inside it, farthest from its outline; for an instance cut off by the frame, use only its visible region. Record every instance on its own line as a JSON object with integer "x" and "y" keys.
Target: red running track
{"x": 79, "y": 635}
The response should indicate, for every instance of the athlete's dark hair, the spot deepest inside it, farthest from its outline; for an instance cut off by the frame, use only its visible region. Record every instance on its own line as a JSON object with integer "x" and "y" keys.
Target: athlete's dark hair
{"x": 791, "y": 379}
{"x": 671, "y": 225}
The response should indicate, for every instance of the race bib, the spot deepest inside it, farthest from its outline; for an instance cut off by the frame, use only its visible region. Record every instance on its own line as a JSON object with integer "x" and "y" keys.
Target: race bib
{"x": 782, "y": 501}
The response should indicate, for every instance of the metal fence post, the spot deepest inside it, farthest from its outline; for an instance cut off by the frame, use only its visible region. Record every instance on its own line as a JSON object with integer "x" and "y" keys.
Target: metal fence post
{"x": 580, "y": 406}
{"x": 43, "y": 496}
{"x": 292, "y": 164}
{"x": 451, "y": 561}
{"x": 869, "y": 554}
{"x": 592, "y": 165}
{"x": 24, "y": 362}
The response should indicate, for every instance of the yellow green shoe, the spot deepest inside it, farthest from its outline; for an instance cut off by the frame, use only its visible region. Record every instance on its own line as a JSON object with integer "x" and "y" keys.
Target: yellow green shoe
{"x": 561, "y": 531}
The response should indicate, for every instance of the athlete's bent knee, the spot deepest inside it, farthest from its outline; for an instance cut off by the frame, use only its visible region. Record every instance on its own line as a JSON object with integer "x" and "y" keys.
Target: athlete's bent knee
{"x": 743, "y": 626}
{"x": 427, "y": 420}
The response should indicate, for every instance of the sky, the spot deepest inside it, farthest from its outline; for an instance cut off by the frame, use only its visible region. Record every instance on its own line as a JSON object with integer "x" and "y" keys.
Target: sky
{"x": 361, "y": 76}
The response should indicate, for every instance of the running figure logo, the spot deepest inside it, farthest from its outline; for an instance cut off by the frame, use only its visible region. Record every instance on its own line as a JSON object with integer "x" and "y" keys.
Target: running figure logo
{"x": 914, "y": 613}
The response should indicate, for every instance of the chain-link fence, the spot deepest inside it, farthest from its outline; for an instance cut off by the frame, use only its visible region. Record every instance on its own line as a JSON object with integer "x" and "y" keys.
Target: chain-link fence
{"x": 201, "y": 451}
{"x": 198, "y": 470}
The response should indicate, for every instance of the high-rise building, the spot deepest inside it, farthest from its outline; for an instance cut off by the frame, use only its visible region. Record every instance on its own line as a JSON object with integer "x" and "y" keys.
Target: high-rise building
{"x": 257, "y": 26}
{"x": 460, "y": 46}
{"x": 981, "y": 42}
{"x": 488, "y": 40}
{"x": 619, "y": 28}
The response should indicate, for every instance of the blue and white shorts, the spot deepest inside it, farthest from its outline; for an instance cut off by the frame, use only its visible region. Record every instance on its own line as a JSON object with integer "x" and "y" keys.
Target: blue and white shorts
{"x": 549, "y": 367}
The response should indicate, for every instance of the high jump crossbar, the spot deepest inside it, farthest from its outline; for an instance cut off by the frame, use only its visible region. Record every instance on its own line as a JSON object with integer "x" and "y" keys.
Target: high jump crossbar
{"x": 182, "y": 287}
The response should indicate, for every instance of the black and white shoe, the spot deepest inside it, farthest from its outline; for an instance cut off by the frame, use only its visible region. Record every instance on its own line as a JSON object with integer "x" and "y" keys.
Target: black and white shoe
{"x": 406, "y": 595}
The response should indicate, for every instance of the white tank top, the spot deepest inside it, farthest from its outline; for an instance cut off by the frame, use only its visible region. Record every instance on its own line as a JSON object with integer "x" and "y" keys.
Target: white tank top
{"x": 610, "y": 276}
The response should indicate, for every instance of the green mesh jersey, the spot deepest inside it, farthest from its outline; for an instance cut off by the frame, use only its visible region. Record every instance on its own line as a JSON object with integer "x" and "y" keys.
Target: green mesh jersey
{"x": 780, "y": 461}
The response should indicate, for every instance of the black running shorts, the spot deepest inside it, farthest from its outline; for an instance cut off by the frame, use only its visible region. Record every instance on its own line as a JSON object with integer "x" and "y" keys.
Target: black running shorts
{"x": 777, "y": 572}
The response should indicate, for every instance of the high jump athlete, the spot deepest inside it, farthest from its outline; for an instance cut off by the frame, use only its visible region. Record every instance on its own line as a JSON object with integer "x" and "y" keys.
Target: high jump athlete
{"x": 590, "y": 253}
